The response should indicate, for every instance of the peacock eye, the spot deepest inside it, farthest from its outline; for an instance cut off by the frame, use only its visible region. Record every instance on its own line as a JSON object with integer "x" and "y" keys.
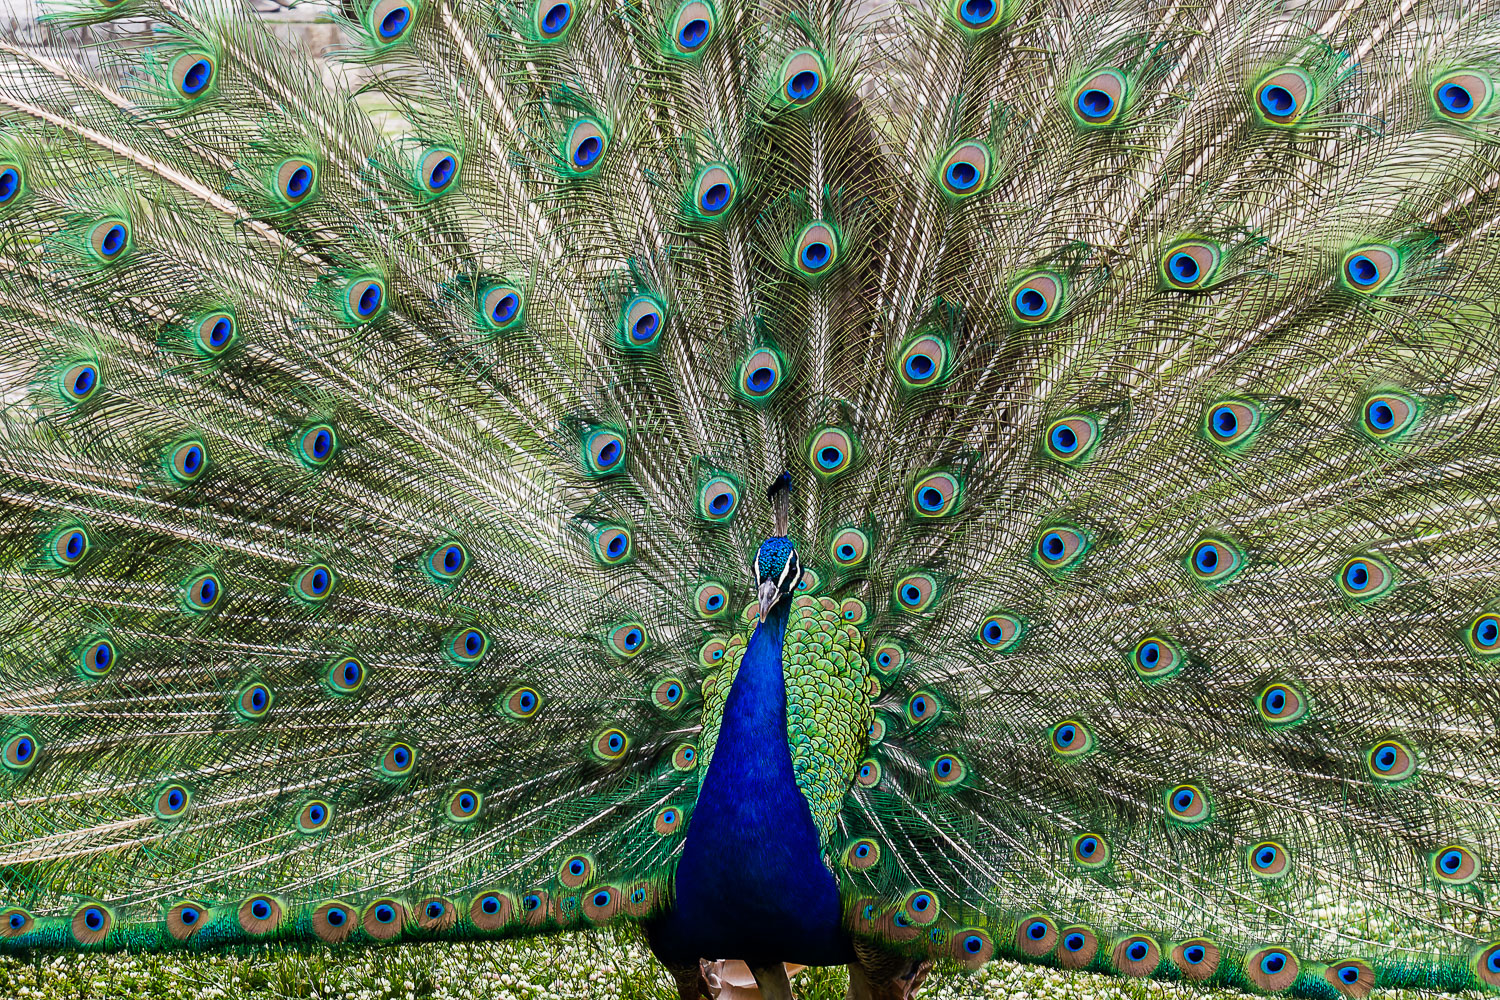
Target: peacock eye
{"x": 1365, "y": 578}
{"x": 718, "y": 498}
{"x": 12, "y": 184}
{"x": 171, "y": 802}
{"x": 936, "y": 494}
{"x": 915, "y": 592}
{"x": 1391, "y": 760}
{"x": 1100, "y": 98}
{"x": 20, "y": 752}
{"x": 97, "y": 658}
{"x": 965, "y": 170}
{"x": 314, "y": 816}
{"x": 447, "y": 561}
{"x": 628, "y": 639}
{"x": 467, "y": 646}
{"x": 977, "y": 15}
{"x": 345, "y": 675}
{"x": 463, "y": 805}
{"x": 193, "y": 74}
{"x": 612, "y": 545}
{"x": 760, "y": 375}
{"x": 296, "y": 181}
{"x": 1370, "y": 268}
{"x": 1272, "y": 969}
{"x": 923, "y": 363}
{"x": 313, "y": 584}
{"x": 999, "y": 632}
{"x": 1156, "y": 658}
{"x": 1190, "y": 265}
{"x": 522, "y": 703}
{"x": 1463, "y": 95}
{"x": 437, "y": 170}
{"x": 1387, "y": 415}
{"x": 364, "y": 300}
{"x": 317, "y": 445}
{"x": 79, "y": 381}
{"x": 830, "y": 452}
{"x": 1187, "y": 804}
{"x": 1090, "y": 850}
{"x": 253, "y": 701}
{"x": 214, "y": 334}
{"x": 641, "y": 322}
{"x": 715, "y": 191}
{"x": 803, "y": 78}
{"x": 1283, "y": 97}
{"x": 1071, "y": 738}
{"x": 816, "y": 250}
{"x": 1232, "y": 423}
{"x": 692, "y": 28}
{"x": 110, "y": 239}
{"x": 849, "y": 547}
{"x": 1060, "y": 548}
{"x": 668, "y": 693}
{"x": 390, "y": 20}
{"x": 1037, "y": 298}
{"x": 585, "y": 145}
{"x": 202, "y": 593}
{"x": 711, "y": 599}
{"x": 69, "y": 546}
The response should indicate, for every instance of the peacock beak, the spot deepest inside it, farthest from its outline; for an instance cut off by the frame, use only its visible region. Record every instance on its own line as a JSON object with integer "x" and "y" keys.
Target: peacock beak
{"x": 769, "y": 594}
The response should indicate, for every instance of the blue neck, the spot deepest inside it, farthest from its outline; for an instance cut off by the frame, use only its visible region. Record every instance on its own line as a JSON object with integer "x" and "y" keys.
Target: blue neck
{"x": 751, "y": 883}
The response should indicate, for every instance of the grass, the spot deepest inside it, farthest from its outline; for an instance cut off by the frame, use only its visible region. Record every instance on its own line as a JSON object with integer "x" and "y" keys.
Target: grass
{"x": 611, "y": 965}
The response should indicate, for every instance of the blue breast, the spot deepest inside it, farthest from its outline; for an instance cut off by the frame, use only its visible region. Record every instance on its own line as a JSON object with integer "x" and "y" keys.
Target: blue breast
{"x": 751, "y": 883}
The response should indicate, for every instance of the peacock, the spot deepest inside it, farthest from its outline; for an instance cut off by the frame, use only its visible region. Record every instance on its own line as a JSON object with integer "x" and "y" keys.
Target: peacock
{"x": 888, "y": 487}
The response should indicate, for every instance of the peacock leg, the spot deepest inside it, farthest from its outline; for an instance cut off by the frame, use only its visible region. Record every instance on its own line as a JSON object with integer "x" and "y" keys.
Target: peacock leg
{"x": 773, "y": 981}
{"x": 692, "y": 984}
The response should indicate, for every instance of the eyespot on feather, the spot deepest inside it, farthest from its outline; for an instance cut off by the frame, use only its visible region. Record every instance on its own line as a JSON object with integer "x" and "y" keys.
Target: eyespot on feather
{"x": 202, "y": 593}
{"x": 760, "y": 375}
{"x": 867, "y": 775}
{"x": 186, "y": 461}
{"x": 715, "y": 190}
{"x": 1000, "y": 632}
{"x": 603, "y": 452}
{"x": 1483, "y": 634}
{"x": 1136, "y": 956}
{"x": 965, "y": 170}
{"x": 628, "y": 639}
{"x": 585, "y": 146}
{"x": 1076, "y": 946}
{"x": 668, "y": 821}
{"x": 463, "y": 805}
{"x": 1155, "y": 658}
{"x": 346, "y": 675}
{"x": 718, "y": 499}
{"x": 692, "y": 28}
{"x": 853, "y": 611}
{"x": 467, "y": 646}
{"x": 171, "y": 802}
{"x": 1388, "y": 415}
{"x": 21, "y": 752}
{"x": 253, "y": 701}
{"x": 12, "y": 191}
{"x": 603, "y": 903}
{"x": 333, "y": 922}
{"x": 522, "y": 703}
{"x": 1036, "y": 935}
{"x": 711, "y": 600}
{"x": 295, "y": 181}
{"x": 610, "y": 746}
{"x": 384, "y": 919}
{"x": 79, "y": 381}
{"x": 193, "y": 74}
{"x": 641, "y": 322}
{"x": 1368, "y": 269}
{"x": 314, "y": 816}
{"x": 936, "y": 494}
{"x": 91, "y": 923}
{"x": 1190, "y": 265}
{"x": 816, "y": 250}
{"x": 1037, "y": 298}
{"x": 849, "y": 548}
{"x": 1099, "y": 99}
{"x": 552, "y": 19}
{"x": 1197, "y": 958}
{"x": 668, "y": 694}
{"x": 96, "y": 658}
{"x": 1283, "y": 96}
{"x": 1070, "y": 439}
{"x": 830, "y": 452}
{"x": 1070, "y": 738}
{"x": 1391, "y": 760}
{"x": 313, "y": 584}
{"x": 1060, "y": 548}
{"x": 67, "y": 547}
{"x": 971, "y": 947}
{"x": 1272, "y": 969}
{"x": 947, "y": 771}
{"x": 492, "y": 910}
{"x": 1455, "y": 864}
{"x": 436, "y": 171}
{"x": 1281, "y": 705}
{"x": 1089, "y": 850}
{"x": 1352, "y": 977}
{"x": 685, "y": 757}
{"x": 1232, "y": 422}
{"x": 259, "y": 915}
{"x": 976, "y": 16}
{"x": 1486, "y": 964}
{"x": 915, "y": 592}
{"x": 1214, "y": 560}
{"x": 398, "y": 760}
{"x": 923, "y": 363}
{"x": 1462, "y": 95}
{"x": 862, "y": 855}
{"x": 1186, "y": 804}
{"x": 364, "y": 300}
{"x": 502, "y": 307}
{"x": 182, "y": 920}
{"x": 888, "y": 658}
{"x": 317, "y": 445}
{"x": 390, "y": 20}
{"x": 109, "y": 239}
{"x": 803, "y": 78}
{"x": 214, "y": 333}
{"x": 1267, "y": 860}
{"x": 1364, "y": 578}
{"x": 447, "y": 561}
{"x": 613, "y": 545}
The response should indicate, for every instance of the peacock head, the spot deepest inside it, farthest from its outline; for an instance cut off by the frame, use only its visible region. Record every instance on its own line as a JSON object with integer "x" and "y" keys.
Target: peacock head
{"x": 778, "y": 571}
{"x": 777, "y": 568}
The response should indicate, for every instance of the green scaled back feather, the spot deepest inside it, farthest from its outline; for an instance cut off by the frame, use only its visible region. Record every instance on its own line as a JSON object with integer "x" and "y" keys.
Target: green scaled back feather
{"x": 379, "y": 473}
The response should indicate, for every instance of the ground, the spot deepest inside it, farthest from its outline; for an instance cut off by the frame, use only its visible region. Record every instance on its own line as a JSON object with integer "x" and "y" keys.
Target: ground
{"x": 599, "y": 966}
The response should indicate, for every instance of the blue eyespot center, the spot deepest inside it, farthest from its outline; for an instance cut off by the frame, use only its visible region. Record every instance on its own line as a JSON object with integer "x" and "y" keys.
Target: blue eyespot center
{"x": 1074, "y": 941}
{"x": 1137, "y": 951}
{"x": 385, "y": 913}
{"x": 1273, "y": 963}
{"x": 1382, "y": 417}
{"x": 401, "y": 756}
{"x": 188, "y": 915}
{"x": 1088, "y": 847}
{"x": 10, "y": 183}
{"x": 1064, "y": 439}
{"x": 1275, "y": 701}
{"x": 1053, "y": 546}
{"x": 587, "y": 151}
{"x": 802, "y": 85}
{"x": 395, "y": 22}
{"x": 473, "y": 642}
{"x": 298, "y": 182}
{"x": 24, "y": 749}
{"x": 1095, "y": 103}
{"x": 992, "y": 635}
{"x": 1451, "y": 861}
{"x": 1278, "y": 100}
{"x": 74, "y": 546}
{"x": 1226, "y": 421}
{"x": 1183, "y": 800}
{"x": 616, "y": 743}
{"x": 1065, "y": 735}
{"x": 83, "y": 381}
{"x": 114, "y": 241}
{"x": 920, "y": 367}
{"x": 1487, "y": 631}
{"x": 976, "y": 12}
{"x": 1265, "y": 857}
{"x": 174, "y": 800}
{"x": 693, "y": 33}
{"x": 720, "y": 503}
{"x": 1183, "y": 267}
{"x": 1193, "y": 953}
{"x": 441, "y": 173}
{"x": 1385, "y": 759}
{"x": 930, "y": 498}
{"x": 530, "y": 901}
{"x": 260, "y": 909}
{"x": 93, "y": 918}
{"x": 761, "y": 379}
{"x": 369, "y": 299}
{"x": 962, "y": 175}
{"x": 1349, "y": 975}
{"x": 466, "y": 802}
{"x": 717, "y": 195}
{"x": 197, "y": 77}
{"x": 714, "y": 602}
{"x": 1362, "y": 270}
{"x": 831, "y": 457}
{"x": 973, "y": 944}
{"x": 490, "y": 905}
{"x": 816, "y": 254}
{"x": 1207, "y": 559}
{"x": 336, "y": 916}
{"x": 1357, "y": 576}
{"x": 506, "y": 308}
{"x": 1455, "y": 99}
{"x": 616, "y": 547}
{"x": 317, "y": 814}
{"x": 1036, "y": 930}
{"x": 1030, "y": 302}
{"x": 322, "y": 444}
{"x": 556, "y": 18}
